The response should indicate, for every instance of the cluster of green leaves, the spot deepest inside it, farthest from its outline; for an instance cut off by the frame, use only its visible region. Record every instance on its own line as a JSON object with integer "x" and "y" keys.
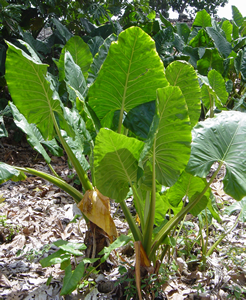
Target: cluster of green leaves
{"x": 137, "y": 122}
{"x": 68, "y": 251}
{"x": 29, "y": 20}
{"x": 146, "y": 164}
{"x": 215, "y": 50}
{"x": 7, "y": 231}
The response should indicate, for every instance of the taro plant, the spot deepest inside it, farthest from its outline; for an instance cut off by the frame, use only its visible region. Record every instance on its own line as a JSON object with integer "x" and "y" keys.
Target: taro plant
{"x": 138, "y": 125}
{"x": 63, "y": 256}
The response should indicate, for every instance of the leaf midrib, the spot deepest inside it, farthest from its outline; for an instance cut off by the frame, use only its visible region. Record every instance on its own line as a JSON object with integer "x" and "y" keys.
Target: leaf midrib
{"x": 125, "y": 87}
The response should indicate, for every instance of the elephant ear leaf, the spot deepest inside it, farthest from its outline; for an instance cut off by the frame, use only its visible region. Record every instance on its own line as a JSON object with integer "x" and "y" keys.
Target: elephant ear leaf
{"x": 116, "y": 163}
{"x": 129, "y": 76}
{"x": 217, "y": 83}
{"x": 8, "y": 172}
{"x": 237, "y": 16}
{"x": 173, "y": 137}
{"x": 221, "y": 139}
{"x": 203, "y": 19}
{"x": 220, "y": 42}
{"x": 80, "y": 53}
{"x": 188, "y": 186}
{"x": 183, "y": 75}
{"x": 30, "y": 90}
{"x": 32, "y": 133}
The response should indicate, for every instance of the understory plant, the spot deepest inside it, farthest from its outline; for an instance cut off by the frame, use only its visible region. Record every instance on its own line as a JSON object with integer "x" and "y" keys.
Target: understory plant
{"x": 134, "y": 126}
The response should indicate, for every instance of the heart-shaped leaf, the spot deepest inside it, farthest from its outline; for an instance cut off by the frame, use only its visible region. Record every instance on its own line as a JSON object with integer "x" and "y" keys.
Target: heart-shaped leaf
{"x": 116, "y": 163}
{"x": 129, "y": 76}
{"x": 183, "y": 75}
{"x": 202, "y": 19}
{"x": 221, "y": 139}
{"x": 31, "y": 91}
{"x": 81, "y": 54}
{"x": 173, "y": 137}
{"x": 187, "y": 186}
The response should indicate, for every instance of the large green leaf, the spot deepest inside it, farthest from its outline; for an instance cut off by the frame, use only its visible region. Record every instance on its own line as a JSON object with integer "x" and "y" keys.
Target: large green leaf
{"x": 74, "y": 78}
{"x": 81, "y": 54}
{"x": 221, "y": 139}
{"x": 202, "y": 19}
{"x": 129, "y": 76}
{"x": 239, "y": 44}
{"x": 72, "y": 248}
{"x": 164, "y": 41}
{"x": 100, "y": 58}
{"x": 116, "y": 163}
{"x": 183, "y": 75}
{"x": 173, "y": 137}
{"x": 30, "y": 90}
{"x": 167, "y": 23}
{"x": 237, "y": 16}
{"x": 227, "y": 27}
{"x": 220, "y": 42}
{"x": 95, "y": 43}
{"x": 201, "y": 39}
{"x": 32, "y": 139}
{"x": 77, "y": 90}
{"x": 183, "y": 31}
{"x": 57, "y": 257}
{"x": 243, "y": 28}
{"x": 217, "y": 83}
{"x": 162, "y": 206}
{"x": 193, "y": 54}
{"x": 36, "y": 44}
{"x": 62, "y": 31}
{"x": 139, "y": 119}
{"x": 235, "y": 31}
{"x": 187, "y": 186}
{"x": 72, "y": 278}
{"x": 178, "y": 43}
{"x": 80, "y": 143}
{"x": 214, "y": 92}
{"x": 238, "y": 61}
{"x": 210, "y": 60}
{"x": 235, "y": 207}
{"x": 209, "y": 97}
{"x": 105, "y": 30}
{"x": 8, "y": 172}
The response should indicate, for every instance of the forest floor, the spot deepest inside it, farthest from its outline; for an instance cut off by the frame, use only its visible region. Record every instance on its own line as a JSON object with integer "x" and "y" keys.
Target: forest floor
{"x": 35, "y": 213}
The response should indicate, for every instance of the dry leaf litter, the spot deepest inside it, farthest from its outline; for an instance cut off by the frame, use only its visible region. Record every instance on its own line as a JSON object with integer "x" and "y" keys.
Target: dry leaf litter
{"x": 38, "y": 213}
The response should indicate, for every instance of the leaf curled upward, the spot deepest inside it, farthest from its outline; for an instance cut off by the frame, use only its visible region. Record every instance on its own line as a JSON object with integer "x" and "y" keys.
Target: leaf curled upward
{"x": 96, "y": 208}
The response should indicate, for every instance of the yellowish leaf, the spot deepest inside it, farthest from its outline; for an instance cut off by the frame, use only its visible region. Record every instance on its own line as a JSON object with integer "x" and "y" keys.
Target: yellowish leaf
{"x": 96, "y": 207}
{"x": 1, "y": 198}
{"x": 138, "y": 220}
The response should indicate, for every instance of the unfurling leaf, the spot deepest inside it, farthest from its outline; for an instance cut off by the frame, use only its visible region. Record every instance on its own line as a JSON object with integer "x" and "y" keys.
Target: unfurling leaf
{"x": 96, "y": 208}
